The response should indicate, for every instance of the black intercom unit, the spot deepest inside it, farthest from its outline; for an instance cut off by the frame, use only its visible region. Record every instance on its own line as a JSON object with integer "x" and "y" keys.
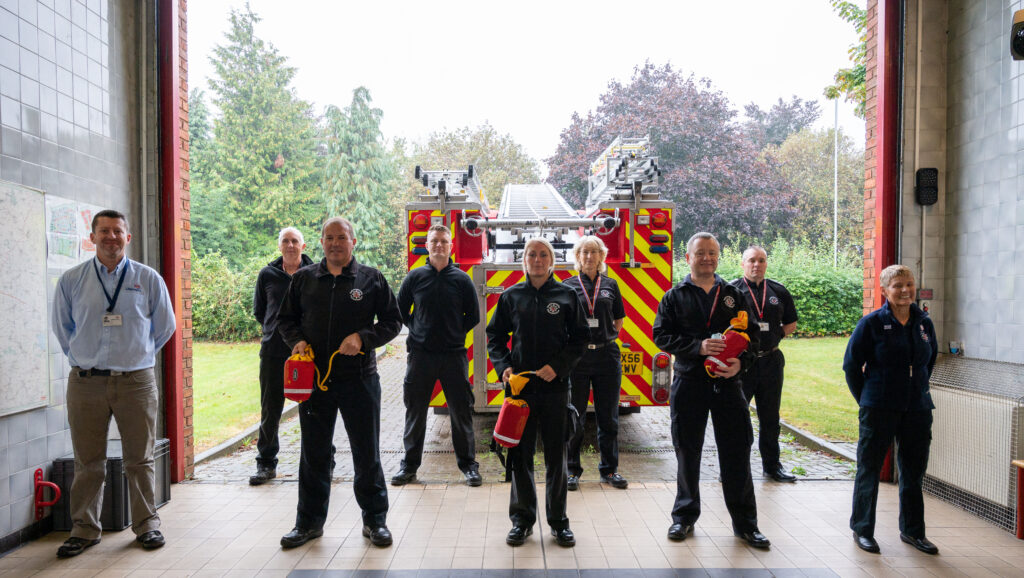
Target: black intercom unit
{"x": 1017, "y": 36}
{"x": 926, "y": 187}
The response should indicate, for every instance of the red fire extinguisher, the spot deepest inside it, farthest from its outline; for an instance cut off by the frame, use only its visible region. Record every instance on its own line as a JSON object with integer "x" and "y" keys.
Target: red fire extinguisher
{"x": 512, "y": 419}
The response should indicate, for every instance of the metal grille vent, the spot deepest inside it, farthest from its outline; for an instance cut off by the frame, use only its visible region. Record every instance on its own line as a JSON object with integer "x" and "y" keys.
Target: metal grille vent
{"x": 977, "y": 432}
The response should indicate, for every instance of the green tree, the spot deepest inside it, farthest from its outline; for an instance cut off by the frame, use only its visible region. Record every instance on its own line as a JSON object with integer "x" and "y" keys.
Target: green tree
{"x": 265, "y": 164}
{"x": 710, "y": 169}
{"x": 498, "y": 160}
{"x": 201, "y": 146}
{"x": 850, "y": 83}
{"x": 806, "y": 161}
{"x": 358, "y": 179}
{"x": 209, "y": 204}
{"x": 773, "y": 126}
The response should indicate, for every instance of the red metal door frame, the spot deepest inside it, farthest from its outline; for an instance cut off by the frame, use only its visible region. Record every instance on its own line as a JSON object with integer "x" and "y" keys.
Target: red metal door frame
{"x": 169, "y": 79}
{"x": 889, "y": 37}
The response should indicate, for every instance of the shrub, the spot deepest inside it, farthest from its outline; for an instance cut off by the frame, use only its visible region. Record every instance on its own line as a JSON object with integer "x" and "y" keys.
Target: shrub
{"x": 222, "y": 298}
{"x": 828, "y": 299}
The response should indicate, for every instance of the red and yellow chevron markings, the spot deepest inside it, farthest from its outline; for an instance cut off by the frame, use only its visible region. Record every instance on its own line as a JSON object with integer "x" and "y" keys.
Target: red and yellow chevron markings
{"x": 642, "y": 288}
{"x": 416, "y": 235}
{"x": 437, "y": 396}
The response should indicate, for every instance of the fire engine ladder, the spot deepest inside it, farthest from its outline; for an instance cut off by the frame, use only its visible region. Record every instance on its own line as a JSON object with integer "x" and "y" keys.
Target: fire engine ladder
{"x": 625, "y": 171}
{"x": 533, "y": 209}
{"x": 534, "y": 202}
{"x": 449, "y": 186}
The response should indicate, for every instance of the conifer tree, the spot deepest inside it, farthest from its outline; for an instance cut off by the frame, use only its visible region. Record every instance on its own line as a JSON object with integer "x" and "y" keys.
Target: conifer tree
{"x": 358, "y": 178}
{"x": 265, "y": 135}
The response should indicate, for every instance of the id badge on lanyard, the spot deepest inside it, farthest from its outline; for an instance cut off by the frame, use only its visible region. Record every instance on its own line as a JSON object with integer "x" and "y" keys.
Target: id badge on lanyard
{"x": 111, "y": 319}
{"x": 760, "y": 307}
{"x": 592, "y": 322}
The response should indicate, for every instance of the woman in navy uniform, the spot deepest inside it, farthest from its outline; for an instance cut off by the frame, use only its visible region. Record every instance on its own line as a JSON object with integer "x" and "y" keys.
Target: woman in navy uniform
{"x": 600, "y": 368}
{"x": 888, "y": 362}
{"x": 547, "y": 328}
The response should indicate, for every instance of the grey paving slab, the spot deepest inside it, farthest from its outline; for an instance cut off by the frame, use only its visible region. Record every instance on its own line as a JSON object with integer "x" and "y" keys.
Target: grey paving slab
{"x": 645, "y": 446}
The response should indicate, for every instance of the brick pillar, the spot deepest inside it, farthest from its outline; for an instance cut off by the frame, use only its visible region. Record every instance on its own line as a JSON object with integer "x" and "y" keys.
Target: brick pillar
{"x": 870, "y": 159}
{"x": 174, "y": 228}
{"x": 188, "y": 448}
{"x": 881, "y": 150}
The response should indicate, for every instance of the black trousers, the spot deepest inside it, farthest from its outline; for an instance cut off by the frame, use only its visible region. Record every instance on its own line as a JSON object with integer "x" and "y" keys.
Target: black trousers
{"x": 358, "y": 399}
{"x": 764, "y": 383}
{"x": 912, "y": 431}
{"x": 549, "y": 414}
{"x": 271, "y": 405}
{"x": 690, "y": 403}
{"x": 422, "y": 371}
{"x": 600, "y": 370}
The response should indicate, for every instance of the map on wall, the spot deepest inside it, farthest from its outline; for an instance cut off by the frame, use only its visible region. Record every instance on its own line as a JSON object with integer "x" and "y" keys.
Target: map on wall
{"x": 24, "y": 381}
{"x": 67, "y": 232}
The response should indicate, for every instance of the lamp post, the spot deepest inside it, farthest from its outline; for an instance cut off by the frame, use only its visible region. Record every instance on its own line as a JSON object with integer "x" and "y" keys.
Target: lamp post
{"x": 835, "y": 190}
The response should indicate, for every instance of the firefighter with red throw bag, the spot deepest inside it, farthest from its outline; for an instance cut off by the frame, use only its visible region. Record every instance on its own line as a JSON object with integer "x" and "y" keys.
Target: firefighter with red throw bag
{"x": 691, "y": 322}
{"x": 343, "y": 310}
{"x": 548, "y": 332}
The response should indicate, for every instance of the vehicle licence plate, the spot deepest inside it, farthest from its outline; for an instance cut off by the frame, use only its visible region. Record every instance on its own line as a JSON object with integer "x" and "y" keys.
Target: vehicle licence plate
{"x": 632, "y": 362}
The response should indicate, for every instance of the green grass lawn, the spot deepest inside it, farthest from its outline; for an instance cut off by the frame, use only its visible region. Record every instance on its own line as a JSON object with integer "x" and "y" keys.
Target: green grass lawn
{"x": 225, "y": 390}
{"x": 814, "y": 395}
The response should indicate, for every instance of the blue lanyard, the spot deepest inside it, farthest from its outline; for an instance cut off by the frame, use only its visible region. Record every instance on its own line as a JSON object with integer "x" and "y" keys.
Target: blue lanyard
{"x": 111, "y": 300}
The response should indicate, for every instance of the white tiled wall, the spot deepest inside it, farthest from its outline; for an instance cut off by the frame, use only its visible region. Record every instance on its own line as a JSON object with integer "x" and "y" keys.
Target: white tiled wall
{"x": 972, "y": 130}
{"x": 67, "y": 127}
{"x": 925, "y": 140}
{"x": 984, "y": 223}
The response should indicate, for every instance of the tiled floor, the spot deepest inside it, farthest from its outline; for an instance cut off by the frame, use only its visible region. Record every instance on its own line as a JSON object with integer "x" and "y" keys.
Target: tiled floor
{"x": 442, "y": 529}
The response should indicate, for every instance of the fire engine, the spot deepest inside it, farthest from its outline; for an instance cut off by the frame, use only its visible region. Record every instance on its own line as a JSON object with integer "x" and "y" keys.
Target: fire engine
{"x": 623, "y": 208}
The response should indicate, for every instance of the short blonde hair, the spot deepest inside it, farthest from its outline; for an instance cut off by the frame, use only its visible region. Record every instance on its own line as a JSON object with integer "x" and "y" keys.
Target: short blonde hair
{"x": 893, "y": 271}
{"x": 590, "y": 241}
{"x": 541, "y": 241}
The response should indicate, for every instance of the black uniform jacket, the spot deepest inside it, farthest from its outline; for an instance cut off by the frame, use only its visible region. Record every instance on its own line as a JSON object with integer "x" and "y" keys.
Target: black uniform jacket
{"x": 682, "y": 324}
{"x": 271, "y": 286}
{"x": 888, "y": 365}
{"x": 323, "y": 310}
{"x": 547, "y": 327}
{"x": 770, "y": 302}
{"x": 607, "y": 307}
{"x": 439, "y": 307}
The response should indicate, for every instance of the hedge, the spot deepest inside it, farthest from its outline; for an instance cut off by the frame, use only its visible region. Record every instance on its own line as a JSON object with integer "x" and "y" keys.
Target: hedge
{"x": 828, "y": 299}
{"x": 222, "y": 298}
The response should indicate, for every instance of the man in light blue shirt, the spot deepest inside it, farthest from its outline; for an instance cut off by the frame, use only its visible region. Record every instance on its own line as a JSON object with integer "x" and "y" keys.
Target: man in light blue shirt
{"x": 111, "y": 315}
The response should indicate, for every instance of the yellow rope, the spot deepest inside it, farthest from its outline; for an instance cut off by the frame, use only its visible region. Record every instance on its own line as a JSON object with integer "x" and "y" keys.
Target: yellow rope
{"x": 307, "y": 355}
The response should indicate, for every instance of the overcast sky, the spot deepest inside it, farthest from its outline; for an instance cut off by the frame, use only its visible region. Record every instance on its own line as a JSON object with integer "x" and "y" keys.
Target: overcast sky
{"x": 526, "y": 66}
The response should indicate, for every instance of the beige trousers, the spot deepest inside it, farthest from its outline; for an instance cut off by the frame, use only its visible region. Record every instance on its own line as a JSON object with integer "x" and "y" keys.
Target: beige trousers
{"x": 133, "y": 401}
